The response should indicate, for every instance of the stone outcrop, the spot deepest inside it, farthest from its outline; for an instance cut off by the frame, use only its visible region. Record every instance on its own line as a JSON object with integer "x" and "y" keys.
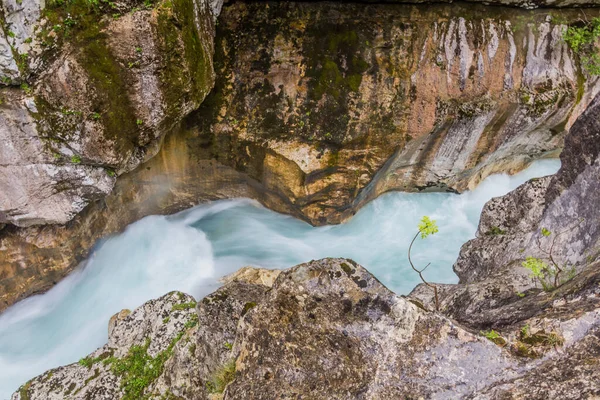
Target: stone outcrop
{"x": 101, "y": 84}
{"x": 495, "y": 290}
{"x": 325, "y": 329}
{"x": 333, "y": 104}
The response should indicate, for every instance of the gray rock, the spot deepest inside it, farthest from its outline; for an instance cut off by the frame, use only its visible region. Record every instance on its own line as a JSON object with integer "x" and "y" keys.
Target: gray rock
{"x": 92, "y": 112}
{"x": 328, "y": 329}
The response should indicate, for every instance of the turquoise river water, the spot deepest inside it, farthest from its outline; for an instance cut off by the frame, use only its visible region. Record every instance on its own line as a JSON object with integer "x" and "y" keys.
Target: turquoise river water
{"x": 190, "y": 250}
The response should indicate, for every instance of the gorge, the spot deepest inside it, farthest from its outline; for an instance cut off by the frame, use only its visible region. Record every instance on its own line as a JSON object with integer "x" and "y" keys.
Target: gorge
{"x": 159, "y": 146}
{"x": 191, "y": 250}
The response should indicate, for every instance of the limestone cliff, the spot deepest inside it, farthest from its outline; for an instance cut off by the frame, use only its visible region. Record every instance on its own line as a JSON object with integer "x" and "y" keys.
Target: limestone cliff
{"x": 317, "y": 109}
{"x": 100, "y": 84}
{"x": 333, "y": 104}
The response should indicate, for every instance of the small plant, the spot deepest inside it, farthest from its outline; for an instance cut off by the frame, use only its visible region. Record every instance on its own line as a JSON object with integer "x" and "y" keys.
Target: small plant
{"x": 96, "y": 116}
{"x": 69, "y": 22}
{"x": 138, "y": 49}
{"x": 166, "y": 320}
{"x": 228, "y": 345}
{"x": 111, "y": 172}
{"x": 75, "y": 159}
{"x": 222, "y": 377}
{"x": 494, "y": 337}
{"x": 26, "y": 88}
{"x": 86, "y": 362}
{"x": 139, "y": 122}
{"x": 494, "y": 231}
{"x": 427, "y": 227}
{"x": 548, "y": 274}
{"x": 582, "y": 40}
{"x": 183, "y": 306}
{"x": 532, "y": 344}
{"x": 192, "y": 322}
{"x": 11, "y": 34}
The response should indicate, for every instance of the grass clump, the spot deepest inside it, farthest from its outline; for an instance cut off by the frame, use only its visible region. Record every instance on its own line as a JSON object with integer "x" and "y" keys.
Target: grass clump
{"x": 138, "y": 370}
{"x": 89, "y": 361}
{"x": 494, "y": 337}
{"x": 533, "y": 344}
{"x": 222, "y": 377}
{"x": 183, "y": 306}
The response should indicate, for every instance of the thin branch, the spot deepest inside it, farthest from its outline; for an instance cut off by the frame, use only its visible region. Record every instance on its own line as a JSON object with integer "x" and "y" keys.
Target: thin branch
{"x": 420, "y": 272}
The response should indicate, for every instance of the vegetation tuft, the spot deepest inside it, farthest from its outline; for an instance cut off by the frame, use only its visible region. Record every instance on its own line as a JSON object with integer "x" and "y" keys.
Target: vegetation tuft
{"x": 548, "y": 270}
{"x": 583, "y": 40}
{"x": 221, "y": 378}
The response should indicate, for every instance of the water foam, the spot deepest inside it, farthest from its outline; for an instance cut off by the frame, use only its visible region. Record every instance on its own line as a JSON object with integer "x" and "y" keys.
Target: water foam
{"x": 189, "y": 251}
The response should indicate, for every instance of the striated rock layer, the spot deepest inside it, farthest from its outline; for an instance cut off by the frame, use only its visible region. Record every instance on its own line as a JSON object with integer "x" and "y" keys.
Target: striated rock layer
{"x": 322, "y": 330}
{"x": 334, "y": 104}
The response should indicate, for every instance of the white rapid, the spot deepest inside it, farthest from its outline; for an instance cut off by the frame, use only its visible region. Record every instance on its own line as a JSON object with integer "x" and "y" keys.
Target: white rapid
{"x": 189, "y": 251}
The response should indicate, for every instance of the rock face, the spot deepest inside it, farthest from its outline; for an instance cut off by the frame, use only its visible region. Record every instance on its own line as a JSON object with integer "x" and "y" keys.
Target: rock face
{"x": 489, "y": 267}
{"x": 324, "y": 330}
{"x": 100, "y": 87}
{"x": 333, "y": 104}
{"x": 263, "y": 133}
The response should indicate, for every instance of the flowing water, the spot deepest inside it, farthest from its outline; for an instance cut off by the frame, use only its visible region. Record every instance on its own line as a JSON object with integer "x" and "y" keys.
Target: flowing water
{"x": 189, "y": 251}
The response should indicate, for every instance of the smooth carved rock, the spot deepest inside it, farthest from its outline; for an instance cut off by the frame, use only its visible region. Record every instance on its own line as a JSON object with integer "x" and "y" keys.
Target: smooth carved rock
{"x": 330, "y": 110}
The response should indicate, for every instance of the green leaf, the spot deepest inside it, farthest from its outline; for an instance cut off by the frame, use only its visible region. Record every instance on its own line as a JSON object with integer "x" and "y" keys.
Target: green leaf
{"x": 546, "y": 232}
{"x": 427, "y": 227}
{"x": 536, "y": 266}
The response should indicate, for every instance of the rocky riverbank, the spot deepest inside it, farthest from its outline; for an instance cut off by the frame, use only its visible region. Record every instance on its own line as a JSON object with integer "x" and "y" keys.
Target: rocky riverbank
{"x": 328, "y": 329}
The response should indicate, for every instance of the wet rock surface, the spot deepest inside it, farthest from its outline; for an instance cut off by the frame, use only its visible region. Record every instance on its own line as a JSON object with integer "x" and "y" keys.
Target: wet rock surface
{"x": 408, "y": 97}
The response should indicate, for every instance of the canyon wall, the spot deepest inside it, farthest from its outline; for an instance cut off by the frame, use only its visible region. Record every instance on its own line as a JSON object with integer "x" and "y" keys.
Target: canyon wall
{"x": 328, "y": 329}
{"x": 495, "y": 289}
{"x": 334, "y": 104}
{"x": 100, "y": 85}
{"x": 317, "y": 109}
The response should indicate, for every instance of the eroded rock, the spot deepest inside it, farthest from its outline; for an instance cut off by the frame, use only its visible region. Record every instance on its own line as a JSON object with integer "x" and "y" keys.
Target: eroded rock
{"x": 328, "y": 329}
{"x": 108, "y": 83}
{"x": 330, "y": 110}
